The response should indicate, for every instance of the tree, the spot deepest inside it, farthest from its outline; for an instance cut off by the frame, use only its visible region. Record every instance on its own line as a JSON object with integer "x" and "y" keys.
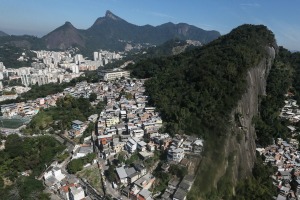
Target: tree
{"x": 14, "y": 146}
{"x": 29, "y": 187}
{"x": 111, "y": 174}
{"x": 75, "y": 165}
{"x": 177, "y": 170}
{"x": 92, "y": 97}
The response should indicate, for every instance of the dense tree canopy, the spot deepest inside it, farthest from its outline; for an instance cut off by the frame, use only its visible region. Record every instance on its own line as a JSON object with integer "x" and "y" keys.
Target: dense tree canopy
{"x": 23, "y": 154}
{"x": 67, "y": 109}
{"x": 203, "y": 85}
{"x": 9, "y": 55}
{"x": 268, "y": 125}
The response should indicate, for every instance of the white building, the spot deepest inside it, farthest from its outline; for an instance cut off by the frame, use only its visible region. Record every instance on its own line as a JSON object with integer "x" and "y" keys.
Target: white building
{"x": 76, "y": 193}
{"x": 131, "y": 145}
{"x": 82, "y": 151}
{"x": 53, "y": 176}
{"x": 96, "y": 56}
{"x": 78, "y": 58}
{"x": 109, "y": 75}
{"x": 198, "y": 146}
{"x": 175, "y": 154}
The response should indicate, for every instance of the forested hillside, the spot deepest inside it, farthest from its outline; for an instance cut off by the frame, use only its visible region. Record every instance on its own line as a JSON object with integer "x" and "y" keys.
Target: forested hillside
{"x": 30, "y": 155}
{"x": 9, "y": 55}
{"x": 198, "y": 89}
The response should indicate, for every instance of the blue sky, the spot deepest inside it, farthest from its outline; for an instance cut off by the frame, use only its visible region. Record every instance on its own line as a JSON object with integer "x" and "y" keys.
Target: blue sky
{"x": 38, "y": 17}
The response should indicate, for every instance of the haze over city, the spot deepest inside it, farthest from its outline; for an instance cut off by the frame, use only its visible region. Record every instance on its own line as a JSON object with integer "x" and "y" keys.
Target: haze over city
{"x": 40, "y": 17}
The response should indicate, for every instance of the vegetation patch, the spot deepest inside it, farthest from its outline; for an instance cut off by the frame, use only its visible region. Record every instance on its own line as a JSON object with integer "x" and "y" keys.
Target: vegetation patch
{"x": 93, "y": 177}
{"x": 76, "y": 165}
{"x": 26, "y": 154}
{"x": 11, "y": 123}
{"x": 67, "y": 109}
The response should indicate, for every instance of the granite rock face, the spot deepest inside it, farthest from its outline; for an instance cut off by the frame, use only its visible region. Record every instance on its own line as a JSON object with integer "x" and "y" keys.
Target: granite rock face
{"x": 240, "y": 143}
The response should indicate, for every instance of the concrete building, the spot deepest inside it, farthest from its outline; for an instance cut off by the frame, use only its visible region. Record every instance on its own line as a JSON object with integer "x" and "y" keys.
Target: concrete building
{"x": 175, "y": 154}
{"x": 96, "y": 56}
{"x": 76, "y": 124}
{"x": 109, "y": 75}
{"x": 76, "y": 193}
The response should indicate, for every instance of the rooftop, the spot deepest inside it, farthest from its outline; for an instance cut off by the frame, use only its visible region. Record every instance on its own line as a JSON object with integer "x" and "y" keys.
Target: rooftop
{"x": 77, "y": 122}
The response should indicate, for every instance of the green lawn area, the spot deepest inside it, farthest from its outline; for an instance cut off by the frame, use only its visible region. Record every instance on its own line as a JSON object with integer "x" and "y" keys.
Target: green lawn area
{"x": 92, "y": 175}
{"x": 11, "y": 123}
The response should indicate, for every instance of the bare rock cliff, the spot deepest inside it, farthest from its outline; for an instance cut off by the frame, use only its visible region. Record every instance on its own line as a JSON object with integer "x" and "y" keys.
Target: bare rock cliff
{"x": 231, "y": 157}
{"x": 240, "y": 144}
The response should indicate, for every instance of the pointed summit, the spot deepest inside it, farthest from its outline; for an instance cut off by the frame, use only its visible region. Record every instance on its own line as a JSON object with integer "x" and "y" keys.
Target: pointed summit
{"x": 64, "y": 37}
{"x": 110, "y": 32}
{"x": 68, "y": 23}
{"x": 111, "y": 15}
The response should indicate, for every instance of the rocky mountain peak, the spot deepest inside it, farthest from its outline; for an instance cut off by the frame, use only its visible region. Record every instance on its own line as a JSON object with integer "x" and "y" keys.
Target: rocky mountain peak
{"x": 110, "y": 15}
{"x": 68, "y": 24}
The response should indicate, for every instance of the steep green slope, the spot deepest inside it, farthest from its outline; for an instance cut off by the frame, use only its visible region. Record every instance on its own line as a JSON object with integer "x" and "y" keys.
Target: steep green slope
{"x": 31, "y": 154}
{"x": 202, "y": 86}
{"x": 196, "y": 93}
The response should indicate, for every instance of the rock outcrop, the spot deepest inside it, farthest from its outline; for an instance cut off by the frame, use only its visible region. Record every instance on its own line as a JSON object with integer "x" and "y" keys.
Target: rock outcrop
{"x": 230, "y": 157}
{"x": 240, "y": 145}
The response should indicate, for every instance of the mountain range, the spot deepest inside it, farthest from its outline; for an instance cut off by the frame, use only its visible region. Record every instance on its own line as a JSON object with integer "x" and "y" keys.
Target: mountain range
{"x": 3, "y": 34}
{"x": 114, "y": 33}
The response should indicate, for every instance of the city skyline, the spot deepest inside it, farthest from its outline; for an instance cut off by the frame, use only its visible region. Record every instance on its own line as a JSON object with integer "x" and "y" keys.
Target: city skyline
{"x": 41, "y": 17}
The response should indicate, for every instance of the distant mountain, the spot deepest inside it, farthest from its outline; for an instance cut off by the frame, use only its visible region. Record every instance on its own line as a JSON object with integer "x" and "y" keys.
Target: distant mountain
{"x": 3, "y": 34}
{"x": 23, "y": 41}
{"x": 112, "y": 32}
{"x": 63, "y": 37}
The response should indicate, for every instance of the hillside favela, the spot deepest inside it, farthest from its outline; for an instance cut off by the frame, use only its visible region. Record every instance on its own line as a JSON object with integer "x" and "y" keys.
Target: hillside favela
{"x": 149, "y": 100}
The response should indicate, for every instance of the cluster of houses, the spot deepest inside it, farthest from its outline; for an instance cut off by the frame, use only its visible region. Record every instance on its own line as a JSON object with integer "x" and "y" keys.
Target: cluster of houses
{"x": 285, "y": 155}
{"x": 128, "y": 124}
{"x": 29, "y": 108}
{"x": 177, "y": 190}
{"x": 64, "y": 185}
{"x": 83, "y": 89}
{"x": 290, "y": 111}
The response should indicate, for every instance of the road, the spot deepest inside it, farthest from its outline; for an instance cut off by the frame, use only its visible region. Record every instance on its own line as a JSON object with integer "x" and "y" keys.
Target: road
{"x": 109, "y": 190}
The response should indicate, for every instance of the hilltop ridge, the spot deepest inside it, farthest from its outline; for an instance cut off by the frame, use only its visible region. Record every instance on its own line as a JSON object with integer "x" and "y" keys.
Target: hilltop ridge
{"x": 111, "y": 32}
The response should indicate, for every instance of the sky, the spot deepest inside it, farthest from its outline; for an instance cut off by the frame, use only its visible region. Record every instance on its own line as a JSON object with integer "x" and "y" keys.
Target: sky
{"x": 39, "y": 17}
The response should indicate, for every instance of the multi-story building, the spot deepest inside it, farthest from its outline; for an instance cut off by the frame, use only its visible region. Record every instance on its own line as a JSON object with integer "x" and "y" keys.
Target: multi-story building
{"x": 76, "y": 193}
{"x": 175, "y": 154}
{"x": 109, "y": 75}
{"x": 131, "y": 145}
